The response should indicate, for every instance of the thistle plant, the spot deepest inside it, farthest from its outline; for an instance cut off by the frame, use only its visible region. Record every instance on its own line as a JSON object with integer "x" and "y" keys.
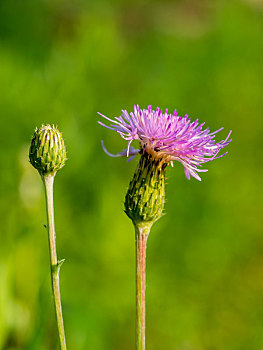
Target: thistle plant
{"x": 163, "y": 138}
{"x": 47, "y": 154}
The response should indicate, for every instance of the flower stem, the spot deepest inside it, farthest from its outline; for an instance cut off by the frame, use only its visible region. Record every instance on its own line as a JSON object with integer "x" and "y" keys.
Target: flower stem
{"x": 141, "y": 232}
{"x": 55, "y": 265}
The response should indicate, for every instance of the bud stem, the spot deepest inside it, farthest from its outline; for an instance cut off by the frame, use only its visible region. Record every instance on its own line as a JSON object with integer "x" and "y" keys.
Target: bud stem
{"x": 141, "y": 233}
{"x": 48, "y": 181}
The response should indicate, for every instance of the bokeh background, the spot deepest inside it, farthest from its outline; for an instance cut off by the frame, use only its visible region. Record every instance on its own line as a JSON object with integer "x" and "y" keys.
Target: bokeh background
{"x": 61, "y": 62}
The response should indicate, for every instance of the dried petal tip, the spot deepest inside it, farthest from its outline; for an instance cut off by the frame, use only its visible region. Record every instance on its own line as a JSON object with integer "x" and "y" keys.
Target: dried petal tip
{"x": 145, "y": 198}
{"x": 47, "y": 152}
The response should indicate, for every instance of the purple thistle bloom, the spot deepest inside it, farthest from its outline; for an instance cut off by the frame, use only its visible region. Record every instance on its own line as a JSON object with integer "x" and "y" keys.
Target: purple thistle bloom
{"x": 167, "y": 138}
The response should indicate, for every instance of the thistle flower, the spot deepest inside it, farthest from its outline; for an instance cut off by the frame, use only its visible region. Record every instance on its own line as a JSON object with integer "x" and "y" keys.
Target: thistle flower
{"x": 47, "y": 154}
{"x": 168, "y": 138}
{"x": 163, "y": 138}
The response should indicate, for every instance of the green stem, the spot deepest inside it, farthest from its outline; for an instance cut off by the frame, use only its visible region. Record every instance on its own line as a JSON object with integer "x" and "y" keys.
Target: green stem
{"x": 55, "y": 265}
{"x": 141, "y": 232}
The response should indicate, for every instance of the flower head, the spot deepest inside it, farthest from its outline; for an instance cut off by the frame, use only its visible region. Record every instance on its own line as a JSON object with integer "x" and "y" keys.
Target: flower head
{"x": 47, "y": 151}
{"x": 168, "y": 138}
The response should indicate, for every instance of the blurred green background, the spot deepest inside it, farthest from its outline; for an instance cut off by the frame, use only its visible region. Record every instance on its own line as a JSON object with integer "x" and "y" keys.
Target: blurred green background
{"x": 63, "y": 61}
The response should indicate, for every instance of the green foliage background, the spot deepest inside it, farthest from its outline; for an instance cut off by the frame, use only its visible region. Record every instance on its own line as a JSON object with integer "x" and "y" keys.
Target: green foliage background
{"x": 63, "y": 61}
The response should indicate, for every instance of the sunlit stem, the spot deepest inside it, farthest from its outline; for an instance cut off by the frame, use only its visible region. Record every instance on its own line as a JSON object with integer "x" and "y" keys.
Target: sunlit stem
{"x": 55, "y": 265}
{"x": 141, "y": 232}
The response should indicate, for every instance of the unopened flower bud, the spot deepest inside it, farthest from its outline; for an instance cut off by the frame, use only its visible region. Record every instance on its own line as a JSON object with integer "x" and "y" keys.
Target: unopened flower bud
{"x": 47, "y": 151}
